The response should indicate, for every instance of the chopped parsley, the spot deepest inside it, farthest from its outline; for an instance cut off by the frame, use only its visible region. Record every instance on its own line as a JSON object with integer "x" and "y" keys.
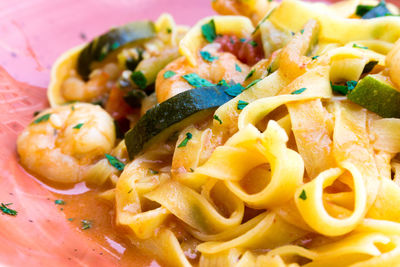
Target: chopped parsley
{"x": 262, "y": 21}
{"x": 269, "y": 70}
{"x": 78, "y": 126}
{"x": 86, "y": 224}
{"x": 36, "y": 113}
{"x": 43, "y": 118}
{"x": 6, "y": 210}
{"x": 238, "y": 68}
{"x": 302, "y": 31}
{"x": 196, "y": 80}
{"x": 250, "y": 74}
{"x": 207, "y": 56}
{"x": 351, "y": 85}
{"x": 222, "y": 83}
{"x": 151, "y": 171}
{"x": 169, "y": 30}
{"x": 252, "y": 83}
{"x": 191, "y": 170}
{"x": 116, "y": 163}
{"x": 168, "y": 74}
{"x": 370, "y": 12}
{"x": 208, "y": 31}
{"x": 344, "y": 89}
{"x": 303, "y": 195}
{"x": 139, "y": 79}
{"x": 59, "y": 202}
{"x": 186, "y": 140}
{"x": 73, "y": 108}
{"x": 359, "y": 46}
{"x": 70, "y": 219}
{"x": 253, "y": 43}
{"x": 242, "y": 40}
{"x": 217, "y": 119}
{"x": 299, "y": 91}
{"x": 234, "y": 90}
{"x": 314, "y": 57}
{"x": 115, "y": 46}
{"x": 242, "y": 104}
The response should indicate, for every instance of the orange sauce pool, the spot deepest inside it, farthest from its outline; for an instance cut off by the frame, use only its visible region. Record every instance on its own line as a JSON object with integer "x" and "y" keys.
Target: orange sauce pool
{"x": 83, "y": 203}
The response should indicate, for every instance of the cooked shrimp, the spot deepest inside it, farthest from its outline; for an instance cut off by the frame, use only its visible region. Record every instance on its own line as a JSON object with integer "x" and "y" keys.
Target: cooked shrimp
{"x": 393, "y": 63}
{"x": 63, "y": 141}
{"x": 76, "y": 89}
{"x": 222, "y": 67}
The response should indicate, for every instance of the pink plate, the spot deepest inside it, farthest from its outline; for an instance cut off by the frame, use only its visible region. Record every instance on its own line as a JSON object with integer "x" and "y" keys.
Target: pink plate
{"x": 33, "y": 34}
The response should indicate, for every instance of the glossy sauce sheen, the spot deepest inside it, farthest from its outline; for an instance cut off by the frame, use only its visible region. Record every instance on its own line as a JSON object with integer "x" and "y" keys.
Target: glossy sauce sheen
{"x": 88, "y": 206}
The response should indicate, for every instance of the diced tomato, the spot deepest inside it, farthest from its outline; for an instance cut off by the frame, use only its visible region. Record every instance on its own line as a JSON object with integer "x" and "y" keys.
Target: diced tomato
{"x": 116, "y": 105}
{"x": 248, "y": 51}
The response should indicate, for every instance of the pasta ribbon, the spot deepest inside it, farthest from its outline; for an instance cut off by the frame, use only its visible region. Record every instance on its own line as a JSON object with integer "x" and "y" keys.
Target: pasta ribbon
{"x": 287, "y": 170}
{"x": 195, "y": 210}
{"x": 164, "y": 246}
{"x": 293, "y": 14}
{"x": 309, "y": 201}
{"x": 270, "y": 232}
{"x": 190, "y": 45}
{"x": 135, "y": 181}
{"x": 227, "y": 258}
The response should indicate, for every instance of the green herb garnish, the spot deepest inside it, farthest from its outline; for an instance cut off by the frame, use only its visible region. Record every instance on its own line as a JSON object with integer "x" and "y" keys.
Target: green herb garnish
{"x": 253, "y": 43}
{"x": 43, "y": 118}
{"x": 314, "y": 57}
{"x": 370, "y": 12}
{"x": 7, "y": 210}
{"x": 351, "y": 85}
{"x": 299, "y": 91}
{"x": 186, "y": 140}
{"x": 217, "y": 119}
{"x": 139, "y": 79}
{"x": 207, "y": 56}
{"x": 242, "y": 40}
{"x": 303, "y": 195}
{"x": 196, "y": 80}
{"x": 73, "y": 108}
{"x": 242, "y": 104}
{"x": 262, "y": 21}
{"x": 238, "y": 68}
{"x": 234, "y": 90}
{"x": 168, "y": 74}
{"x": 344, "y": 89}
{"x": 222, "y": 83}
{"x": 169, "y": 30}
{"x": 115, "y": 162}
{"x": 250, "y": 74}
{"x": 70, "y": 219}
{"x": 151, "y": 171}
{"x": 78, "y": 126}
{"x": 59, "y": 202}
{"x": 86, "y": 224}
{"x": 191, "y": 170}
{"x": 208, "y": 31}
{"x": 252, "y": 83}
{"x": 359, "y": 46}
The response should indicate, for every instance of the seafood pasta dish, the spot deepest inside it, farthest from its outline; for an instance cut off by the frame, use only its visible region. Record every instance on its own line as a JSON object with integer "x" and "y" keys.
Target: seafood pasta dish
{"x": 266, "y": 135}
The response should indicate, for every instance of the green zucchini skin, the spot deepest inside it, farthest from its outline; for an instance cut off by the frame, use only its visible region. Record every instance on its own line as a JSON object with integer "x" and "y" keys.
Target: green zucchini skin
{"x": 161, "y": 121}
{"x": 110, "y": 41}
{"x": 376, "y": 96}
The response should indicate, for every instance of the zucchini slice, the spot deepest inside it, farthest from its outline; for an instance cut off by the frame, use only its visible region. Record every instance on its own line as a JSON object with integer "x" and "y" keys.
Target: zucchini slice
{"x": 98, "y": 49}
{"x": 161, "y": 121}
{"x": 377, "y": 96}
